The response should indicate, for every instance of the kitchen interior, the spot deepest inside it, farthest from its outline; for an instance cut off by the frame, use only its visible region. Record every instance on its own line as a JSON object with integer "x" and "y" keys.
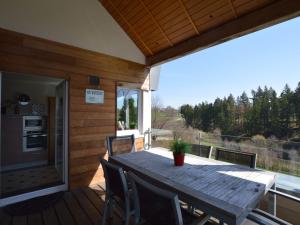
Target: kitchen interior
{"x": 32, "y": 120}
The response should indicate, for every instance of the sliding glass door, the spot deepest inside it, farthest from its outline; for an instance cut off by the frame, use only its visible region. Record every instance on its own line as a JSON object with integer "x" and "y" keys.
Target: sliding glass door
{"x": 33, "y": 154}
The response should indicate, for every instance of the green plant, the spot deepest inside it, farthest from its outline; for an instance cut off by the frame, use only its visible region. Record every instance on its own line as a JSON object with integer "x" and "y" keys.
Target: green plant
{"x": 180, "y": 147}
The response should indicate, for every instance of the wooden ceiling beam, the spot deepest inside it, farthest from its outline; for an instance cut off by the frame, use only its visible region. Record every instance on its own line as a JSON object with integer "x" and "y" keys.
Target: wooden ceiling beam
{"x": 279, "y": 11}
{"x": 130, "y": 27}
{"x": 156, "y": 23}
{"x": 232, "y": 8}
{"x": 189, "y": 16}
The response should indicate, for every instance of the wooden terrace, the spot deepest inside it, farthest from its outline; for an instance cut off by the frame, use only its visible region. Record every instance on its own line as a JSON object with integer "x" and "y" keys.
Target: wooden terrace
{"x": 83, "y": 206}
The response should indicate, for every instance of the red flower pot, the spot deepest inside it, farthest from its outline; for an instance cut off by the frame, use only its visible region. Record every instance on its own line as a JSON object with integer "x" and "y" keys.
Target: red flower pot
{"x": 178, "y": 159}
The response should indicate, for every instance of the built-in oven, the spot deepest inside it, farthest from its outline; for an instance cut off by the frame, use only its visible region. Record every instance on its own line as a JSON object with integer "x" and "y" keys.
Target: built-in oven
{"x": 34, "y": 141}
{"x": 34, "y": 133}
{"x": 34, "y": 123}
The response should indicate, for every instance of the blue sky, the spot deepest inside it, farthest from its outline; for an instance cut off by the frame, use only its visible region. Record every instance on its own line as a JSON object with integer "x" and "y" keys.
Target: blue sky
{"x": 268, "y": 57}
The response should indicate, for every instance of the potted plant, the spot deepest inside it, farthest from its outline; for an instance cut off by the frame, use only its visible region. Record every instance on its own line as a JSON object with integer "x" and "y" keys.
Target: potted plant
{"x": 179, "y": 148}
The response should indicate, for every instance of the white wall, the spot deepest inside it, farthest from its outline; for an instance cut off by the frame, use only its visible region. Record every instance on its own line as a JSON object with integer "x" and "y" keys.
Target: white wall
{"x": 81, "y": 23}
{"x": 146, "y": 113}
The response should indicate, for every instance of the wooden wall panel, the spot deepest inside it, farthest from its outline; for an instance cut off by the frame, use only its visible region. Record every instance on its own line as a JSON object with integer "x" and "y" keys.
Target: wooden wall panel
{"x": 88, "y": 124}
{"x": 139, "y": 143}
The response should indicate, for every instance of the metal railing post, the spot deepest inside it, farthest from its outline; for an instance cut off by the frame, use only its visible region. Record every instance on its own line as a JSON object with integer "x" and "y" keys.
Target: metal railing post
{"x": 147, "y": 145}
{"x": 272, "y": 202}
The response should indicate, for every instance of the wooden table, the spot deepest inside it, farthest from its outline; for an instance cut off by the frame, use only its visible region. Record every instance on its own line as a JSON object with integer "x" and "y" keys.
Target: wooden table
{"x": 223, "y": 190}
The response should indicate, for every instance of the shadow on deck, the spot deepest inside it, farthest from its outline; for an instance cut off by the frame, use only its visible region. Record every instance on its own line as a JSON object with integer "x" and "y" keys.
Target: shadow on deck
{"x": 82, "y": 206}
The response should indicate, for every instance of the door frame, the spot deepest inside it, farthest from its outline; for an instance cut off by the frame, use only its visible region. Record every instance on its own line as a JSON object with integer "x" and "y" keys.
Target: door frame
{"x": 54, "y": 189}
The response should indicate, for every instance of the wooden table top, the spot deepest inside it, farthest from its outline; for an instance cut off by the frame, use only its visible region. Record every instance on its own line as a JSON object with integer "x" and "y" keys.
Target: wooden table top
{"x": 223, "y": 190}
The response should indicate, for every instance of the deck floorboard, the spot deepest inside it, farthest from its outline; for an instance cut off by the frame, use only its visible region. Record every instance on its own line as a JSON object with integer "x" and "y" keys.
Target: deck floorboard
{"x": 77, "y": 207}
{"x": 63, "y": 213}
{"x": 50, "y": 217}
{"x": 4, "y": 218}
{"x": 19, "y": 220}
{"x": 88, "y": 207}
{"x": 35, "y": 219}
{"x": 76, "y": 211}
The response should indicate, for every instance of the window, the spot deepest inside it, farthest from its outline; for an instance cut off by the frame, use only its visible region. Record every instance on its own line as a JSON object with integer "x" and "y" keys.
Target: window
{"x": 128, "y": 109}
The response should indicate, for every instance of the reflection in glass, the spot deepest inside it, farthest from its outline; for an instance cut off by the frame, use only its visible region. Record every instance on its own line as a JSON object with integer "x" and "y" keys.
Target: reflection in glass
{"x": 127, "y": 109}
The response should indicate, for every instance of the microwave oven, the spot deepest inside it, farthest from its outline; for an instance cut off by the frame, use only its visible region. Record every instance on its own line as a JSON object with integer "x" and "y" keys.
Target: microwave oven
{"x": 34, "y": 123}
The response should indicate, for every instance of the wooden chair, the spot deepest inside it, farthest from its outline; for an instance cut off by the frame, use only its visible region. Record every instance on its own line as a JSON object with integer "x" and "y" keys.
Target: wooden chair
{"x": 241, "y": 158}
{"x": 202, "y": 150}
{"x": 263, "y": 218}
{"x": 120, "y": 144}
{"x": 155, "y": 206}
{"x": 117, "y": 192}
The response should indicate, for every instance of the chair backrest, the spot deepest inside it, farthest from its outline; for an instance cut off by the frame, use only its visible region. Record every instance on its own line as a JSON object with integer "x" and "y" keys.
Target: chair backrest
{"x": 120, "y": 144}
{"x": 237, "y": 157}
{"x": 154, "y": 205}
{"x": 115, "y": 180}
{"x": 202, "y": 150}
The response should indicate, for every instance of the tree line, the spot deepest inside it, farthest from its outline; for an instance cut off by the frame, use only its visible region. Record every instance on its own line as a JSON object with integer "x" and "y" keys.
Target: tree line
{"x": 264, "y": 113}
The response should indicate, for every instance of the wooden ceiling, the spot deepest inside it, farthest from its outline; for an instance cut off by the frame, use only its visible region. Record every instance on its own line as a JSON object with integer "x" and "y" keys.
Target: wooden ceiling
{"x": 158, "y": 25}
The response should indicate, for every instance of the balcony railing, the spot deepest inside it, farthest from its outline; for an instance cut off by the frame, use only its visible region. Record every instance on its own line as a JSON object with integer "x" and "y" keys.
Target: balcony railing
{"x": 282, "y": 205}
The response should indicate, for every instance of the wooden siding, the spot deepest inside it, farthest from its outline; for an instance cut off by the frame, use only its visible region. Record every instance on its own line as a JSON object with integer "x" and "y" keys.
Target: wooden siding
{"x": 88, "y": 124}
{"x": 139, "y": 143}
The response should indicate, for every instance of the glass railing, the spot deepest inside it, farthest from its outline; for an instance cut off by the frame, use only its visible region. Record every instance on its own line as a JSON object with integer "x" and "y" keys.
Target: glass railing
{"x": 273, "y": 155}
{"x": 282, "y": 205}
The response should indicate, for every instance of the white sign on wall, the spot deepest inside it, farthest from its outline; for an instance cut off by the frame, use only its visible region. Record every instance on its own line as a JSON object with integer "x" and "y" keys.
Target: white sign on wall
{"x": 93, "y": 96}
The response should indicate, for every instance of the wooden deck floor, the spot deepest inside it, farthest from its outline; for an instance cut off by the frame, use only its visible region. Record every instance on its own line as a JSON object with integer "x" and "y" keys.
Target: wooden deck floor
{"x": 82, "y": 206}
{"x": 79, "y": 207}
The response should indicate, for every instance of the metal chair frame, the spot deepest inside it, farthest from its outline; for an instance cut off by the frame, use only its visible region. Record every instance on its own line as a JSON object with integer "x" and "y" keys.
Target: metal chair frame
{"x": 111, "y": 198}
{"x": 179, "y": 215}
{"x": 160, "y": 192}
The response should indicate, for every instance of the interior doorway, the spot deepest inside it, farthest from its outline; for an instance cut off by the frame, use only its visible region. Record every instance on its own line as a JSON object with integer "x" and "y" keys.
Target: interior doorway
{"x": 33, "y": 155}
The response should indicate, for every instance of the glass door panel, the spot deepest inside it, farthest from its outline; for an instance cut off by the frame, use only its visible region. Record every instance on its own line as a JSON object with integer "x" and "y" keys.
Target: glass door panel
{"x": 33, "y": 147}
